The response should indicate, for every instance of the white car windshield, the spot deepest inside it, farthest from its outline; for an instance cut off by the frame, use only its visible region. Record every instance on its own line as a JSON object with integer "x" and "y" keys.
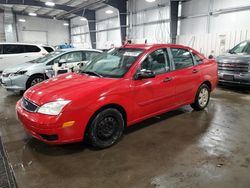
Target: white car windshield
{"x": 47, "y": 57}
{"x": 114, "y": 64}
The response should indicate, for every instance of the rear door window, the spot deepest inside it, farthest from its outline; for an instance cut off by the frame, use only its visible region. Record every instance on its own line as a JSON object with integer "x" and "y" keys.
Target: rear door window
{"x": 48, "y": 49}
{"x": 13, "y": 49}
{"x": 31, "y": 48}
{"x": 182, "y": 58}
{"x": 73, "y": 57}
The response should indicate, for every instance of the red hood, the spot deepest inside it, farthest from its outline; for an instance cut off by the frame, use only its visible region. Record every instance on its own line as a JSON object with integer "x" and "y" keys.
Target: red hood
{"x": 68, "y": 87}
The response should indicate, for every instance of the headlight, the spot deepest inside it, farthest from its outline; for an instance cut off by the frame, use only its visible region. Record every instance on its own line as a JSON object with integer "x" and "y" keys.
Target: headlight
{"x": 21, "y": 72}
{"x": 52, "y": 108}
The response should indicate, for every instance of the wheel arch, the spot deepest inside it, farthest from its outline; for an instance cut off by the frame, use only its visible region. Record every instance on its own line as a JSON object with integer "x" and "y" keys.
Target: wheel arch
{"x": 208, "y": 83}
{"x": 33, "y": 75}
{"x": 118, "y": 107}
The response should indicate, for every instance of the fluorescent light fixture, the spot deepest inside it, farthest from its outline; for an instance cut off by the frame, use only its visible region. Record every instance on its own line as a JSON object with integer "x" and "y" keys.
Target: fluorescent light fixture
{"x": 22, "y": 20}
{"x": 32, "y": 14}
{"x": 65, "y": 24}
{"x": 150, "y": 1}
{"x": 109, "y": 11}
{"x": 49, "y": 4}
{"x": 83, "y": 19}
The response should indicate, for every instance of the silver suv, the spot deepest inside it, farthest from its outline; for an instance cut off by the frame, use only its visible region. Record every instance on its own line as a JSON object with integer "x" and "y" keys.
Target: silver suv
{"x": 30, "y": 73}
{"x": 234, "y": 67}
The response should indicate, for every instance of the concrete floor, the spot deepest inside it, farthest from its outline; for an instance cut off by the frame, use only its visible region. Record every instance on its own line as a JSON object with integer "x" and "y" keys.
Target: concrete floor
{"x": 182, "y": 148}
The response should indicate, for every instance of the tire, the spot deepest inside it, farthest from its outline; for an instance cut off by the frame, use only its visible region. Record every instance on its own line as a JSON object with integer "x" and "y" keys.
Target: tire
{"x": 202, "y": 98}
{"x": 106, "y": 128}
{"x": 33, "y": 80}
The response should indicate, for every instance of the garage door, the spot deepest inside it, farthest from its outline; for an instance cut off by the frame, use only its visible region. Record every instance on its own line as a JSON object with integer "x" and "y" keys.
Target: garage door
{"x": 39, "y": 37}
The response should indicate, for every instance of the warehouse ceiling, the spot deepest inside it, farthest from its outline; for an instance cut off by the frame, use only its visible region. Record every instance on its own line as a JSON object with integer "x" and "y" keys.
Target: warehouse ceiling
{"x": 27, "y": 6}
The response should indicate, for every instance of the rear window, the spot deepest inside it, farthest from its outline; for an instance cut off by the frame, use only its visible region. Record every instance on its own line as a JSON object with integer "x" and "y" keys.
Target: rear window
{"x": 13, "y": 49}
{"x": 48, "y": 49}
{"x": 182, "y": 58}
{"x": 31, "y": 48}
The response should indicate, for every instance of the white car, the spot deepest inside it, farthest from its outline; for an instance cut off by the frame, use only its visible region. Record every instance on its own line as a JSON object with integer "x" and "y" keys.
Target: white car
{"x": 26, "y": 75}
{"x": 14, "y": 54}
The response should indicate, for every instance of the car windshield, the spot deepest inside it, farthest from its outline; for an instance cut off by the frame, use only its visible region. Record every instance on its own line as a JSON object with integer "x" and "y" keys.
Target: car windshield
{"x": 113, "y": 64}
{"x": 47, "y": 57}
{"x": 243, "y": 47}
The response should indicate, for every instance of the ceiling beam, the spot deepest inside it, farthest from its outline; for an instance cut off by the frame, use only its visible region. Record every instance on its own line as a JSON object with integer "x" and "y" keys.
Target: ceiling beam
{"x": 36, "y": 3}
{"x": 83, "y": 7}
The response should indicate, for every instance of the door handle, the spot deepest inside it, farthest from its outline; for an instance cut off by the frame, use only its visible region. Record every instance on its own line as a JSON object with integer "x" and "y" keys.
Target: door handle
{"x": 195, "y": 71}
{"x": 168, "y": 79}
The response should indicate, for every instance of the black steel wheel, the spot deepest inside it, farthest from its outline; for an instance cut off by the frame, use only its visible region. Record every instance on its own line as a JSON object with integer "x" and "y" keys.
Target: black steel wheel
{"x": 33, "y": 80}
{"x": 106, "y": 128}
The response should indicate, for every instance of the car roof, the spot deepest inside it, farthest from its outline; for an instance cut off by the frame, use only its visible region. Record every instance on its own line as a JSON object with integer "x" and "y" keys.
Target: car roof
{"x": 79, "y": 49}
{"x": 148, "y": 46}
{"x": 23, "y": 43}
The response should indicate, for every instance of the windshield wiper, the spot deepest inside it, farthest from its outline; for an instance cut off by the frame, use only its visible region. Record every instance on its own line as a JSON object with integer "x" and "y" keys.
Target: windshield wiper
{"x": 91, "y": 73}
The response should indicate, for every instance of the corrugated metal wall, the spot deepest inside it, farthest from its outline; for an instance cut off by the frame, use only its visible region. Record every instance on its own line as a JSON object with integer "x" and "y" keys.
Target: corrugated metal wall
{"x": 214, "y": 25}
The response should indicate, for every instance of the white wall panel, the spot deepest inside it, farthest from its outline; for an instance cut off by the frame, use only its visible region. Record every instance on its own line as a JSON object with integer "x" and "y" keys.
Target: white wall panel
{"x": 57, "y": 33}
{"x": 150, "y": 21}
{"x": 195, "y": 7}
{"x": 223, "y": 4}
{"x": 218, "y": 32}
{"x": 230, "y": 21}
{"x": 80, "y": 36}
{"x": 193, "y": 25}
{"x": 108, "y": 29}
{"x": 208, "y": 42}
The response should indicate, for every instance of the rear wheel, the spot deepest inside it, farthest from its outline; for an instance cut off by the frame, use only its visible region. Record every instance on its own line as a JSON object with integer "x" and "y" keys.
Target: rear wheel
{"x": 202, "y": 98}
{"x": 106, "y": 128}
{"x": 35, "y": 79}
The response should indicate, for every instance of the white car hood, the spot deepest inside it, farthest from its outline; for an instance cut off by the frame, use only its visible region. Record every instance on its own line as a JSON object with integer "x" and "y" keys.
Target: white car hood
{"x": 22, "y": 66}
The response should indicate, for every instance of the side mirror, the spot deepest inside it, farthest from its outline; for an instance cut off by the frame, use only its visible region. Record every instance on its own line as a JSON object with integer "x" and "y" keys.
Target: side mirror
{"x": 62, "y": 61}
{"x": 228, "y": 51}
{"x": 143, "y": 74}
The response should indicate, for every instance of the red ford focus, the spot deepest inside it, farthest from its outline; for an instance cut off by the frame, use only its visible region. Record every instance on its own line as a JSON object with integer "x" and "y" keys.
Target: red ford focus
{"x": 115, "y": 90}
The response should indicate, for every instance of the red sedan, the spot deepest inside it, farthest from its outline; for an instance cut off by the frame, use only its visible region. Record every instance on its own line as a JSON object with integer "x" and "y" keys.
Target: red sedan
{"x": 115, "y": 90}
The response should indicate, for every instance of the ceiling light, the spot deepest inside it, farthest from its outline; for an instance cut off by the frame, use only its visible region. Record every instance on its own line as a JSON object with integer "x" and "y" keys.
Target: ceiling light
{"x": 32, "y": 14}
{"x": 49, "y": 4}
{"x": 65, "y": 24}
{"x": 22, "y": 20}
{"x": 109, "y": 11}
{"x": 83, "y": 19}
{"x": 150, "y": 1}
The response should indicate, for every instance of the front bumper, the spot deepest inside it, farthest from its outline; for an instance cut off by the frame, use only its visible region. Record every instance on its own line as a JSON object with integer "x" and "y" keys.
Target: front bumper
{"x": 15, "y": 83}
{"x": 234, "y": 78}
{"x": 49, "y": 129}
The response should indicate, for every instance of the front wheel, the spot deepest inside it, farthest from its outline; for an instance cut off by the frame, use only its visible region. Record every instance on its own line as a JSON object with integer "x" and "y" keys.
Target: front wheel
{"x": 202, "y": 98}
{"x": 35, "y": 79}
{"x": 106, "y": 128}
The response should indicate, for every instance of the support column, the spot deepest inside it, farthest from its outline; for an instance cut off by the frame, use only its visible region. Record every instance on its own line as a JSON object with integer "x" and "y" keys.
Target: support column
{"x": 174, "y": 5}
{"x": 9, "y": 26}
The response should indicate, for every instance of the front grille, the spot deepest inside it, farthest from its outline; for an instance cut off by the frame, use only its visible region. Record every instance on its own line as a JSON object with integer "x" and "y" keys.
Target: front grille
{"x": 29, "y": 106}
{"x": 234, "y": 67}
